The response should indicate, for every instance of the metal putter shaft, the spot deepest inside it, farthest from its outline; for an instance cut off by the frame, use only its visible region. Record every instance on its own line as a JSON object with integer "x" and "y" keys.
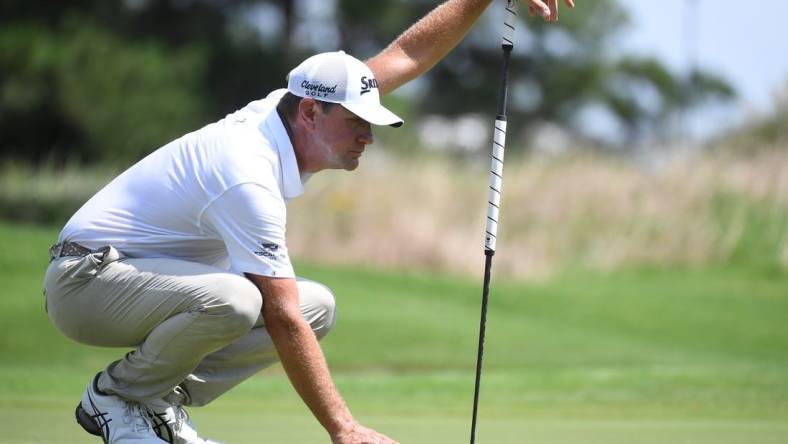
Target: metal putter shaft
{"x": 494, "y": 197}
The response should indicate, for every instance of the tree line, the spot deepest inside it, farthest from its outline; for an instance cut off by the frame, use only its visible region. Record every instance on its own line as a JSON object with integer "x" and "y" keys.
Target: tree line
{"x": 96, "y": 81}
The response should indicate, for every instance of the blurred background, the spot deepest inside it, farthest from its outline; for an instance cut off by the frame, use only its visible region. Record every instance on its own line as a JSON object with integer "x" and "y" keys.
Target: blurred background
{"x": 640, "y": 98}
{"x": 641, "y": 273}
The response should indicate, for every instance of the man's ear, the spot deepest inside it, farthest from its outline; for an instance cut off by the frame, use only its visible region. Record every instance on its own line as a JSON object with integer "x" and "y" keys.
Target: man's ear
{"x": 307, "y": 111}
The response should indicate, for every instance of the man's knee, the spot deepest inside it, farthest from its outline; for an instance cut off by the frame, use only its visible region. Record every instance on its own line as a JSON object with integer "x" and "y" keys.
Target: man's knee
{"x": 239, "y": 306}
{"x": 318, "y": 306}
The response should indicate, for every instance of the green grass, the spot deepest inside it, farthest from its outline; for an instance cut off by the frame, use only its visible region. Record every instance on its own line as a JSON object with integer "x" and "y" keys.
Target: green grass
{"x": 641, "y": 356}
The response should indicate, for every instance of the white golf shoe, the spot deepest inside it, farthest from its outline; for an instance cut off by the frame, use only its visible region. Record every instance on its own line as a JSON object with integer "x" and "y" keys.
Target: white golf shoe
{"x": 171, "y": 423}
{"x": 116, "y": 420}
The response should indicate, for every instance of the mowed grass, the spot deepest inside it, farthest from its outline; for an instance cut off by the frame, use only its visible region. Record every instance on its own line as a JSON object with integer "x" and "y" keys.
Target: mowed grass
{"x": 645, "y": 356}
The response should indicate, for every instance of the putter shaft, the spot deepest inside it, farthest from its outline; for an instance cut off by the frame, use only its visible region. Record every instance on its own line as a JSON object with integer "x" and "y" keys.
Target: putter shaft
{"x": 494, "y": 196}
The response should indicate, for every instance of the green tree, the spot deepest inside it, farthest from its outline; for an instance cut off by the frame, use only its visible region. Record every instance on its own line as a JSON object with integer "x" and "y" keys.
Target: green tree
{"x": 565, "y": 66}
{"x": 99, "y": 80}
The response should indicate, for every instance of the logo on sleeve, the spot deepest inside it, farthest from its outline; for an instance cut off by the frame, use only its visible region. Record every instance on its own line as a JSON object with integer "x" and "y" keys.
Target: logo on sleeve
{"x": 268, "y": 250}
{"x": 367, "y": 84}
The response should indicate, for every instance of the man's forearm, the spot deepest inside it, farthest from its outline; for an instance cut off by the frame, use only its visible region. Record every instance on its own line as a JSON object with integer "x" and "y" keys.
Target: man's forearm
{"x": 307, "y": 370}
{"x": 425, "y": 43}
{"x": 300, "y": 353}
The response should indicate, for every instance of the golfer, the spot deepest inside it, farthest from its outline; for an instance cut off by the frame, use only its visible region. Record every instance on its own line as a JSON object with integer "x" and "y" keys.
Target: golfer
{"x": 183, "y": 256}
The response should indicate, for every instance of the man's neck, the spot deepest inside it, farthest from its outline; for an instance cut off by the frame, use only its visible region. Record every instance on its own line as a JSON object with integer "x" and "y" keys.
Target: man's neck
{"x": 293, "y": 141}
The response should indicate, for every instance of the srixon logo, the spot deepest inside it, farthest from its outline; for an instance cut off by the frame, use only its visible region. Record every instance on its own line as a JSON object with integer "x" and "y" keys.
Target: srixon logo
{"x": 267, "y": 250}
{"x": 368, "y": 84}
{"x": 317, "y": 89}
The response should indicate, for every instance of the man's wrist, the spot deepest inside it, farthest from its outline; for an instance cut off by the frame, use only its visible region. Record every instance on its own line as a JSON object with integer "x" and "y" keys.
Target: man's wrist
{"x": 341, "y": 424}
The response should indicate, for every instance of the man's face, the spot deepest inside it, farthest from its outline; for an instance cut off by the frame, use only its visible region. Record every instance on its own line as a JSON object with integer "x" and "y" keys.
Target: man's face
{"x": 341, "y": 136}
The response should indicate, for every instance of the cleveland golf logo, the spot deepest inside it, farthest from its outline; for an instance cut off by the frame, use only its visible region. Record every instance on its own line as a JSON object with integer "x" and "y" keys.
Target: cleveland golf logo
{"x": 317, "y": 89}
{"x": 368, "y": 84}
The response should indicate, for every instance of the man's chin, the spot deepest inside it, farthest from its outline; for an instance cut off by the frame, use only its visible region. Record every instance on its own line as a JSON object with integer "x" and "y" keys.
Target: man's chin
{"x": 351, "y": 165}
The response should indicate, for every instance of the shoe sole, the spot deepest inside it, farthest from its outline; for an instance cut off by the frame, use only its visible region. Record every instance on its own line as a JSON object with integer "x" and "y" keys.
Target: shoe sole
{"x": 86, "y": 422}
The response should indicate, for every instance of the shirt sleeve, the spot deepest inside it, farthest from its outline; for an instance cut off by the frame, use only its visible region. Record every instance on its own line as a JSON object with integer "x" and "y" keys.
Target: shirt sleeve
{"x": 250, "y": 219}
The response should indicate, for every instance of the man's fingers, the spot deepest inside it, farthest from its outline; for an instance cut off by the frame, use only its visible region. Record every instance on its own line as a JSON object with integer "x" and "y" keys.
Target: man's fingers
{"x": 548, "y": 9}
{"x": 539, "y": 6}
{"x": 553, "y": 11}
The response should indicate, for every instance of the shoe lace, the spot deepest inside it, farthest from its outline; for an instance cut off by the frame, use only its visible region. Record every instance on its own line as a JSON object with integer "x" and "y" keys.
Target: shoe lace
{"x": 174, "y": 424}
{"x": 181, "y": 418}
{"x": 137, "y": 417}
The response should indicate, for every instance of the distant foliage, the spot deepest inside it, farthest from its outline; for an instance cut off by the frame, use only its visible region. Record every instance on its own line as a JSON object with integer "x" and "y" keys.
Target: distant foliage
{"x": 110, "y": 81}
{"x": 762, "y": 133}
{"x": 90, "y": 89}
{"x": 97, "y": 82}
{"x": 47, "y": 195}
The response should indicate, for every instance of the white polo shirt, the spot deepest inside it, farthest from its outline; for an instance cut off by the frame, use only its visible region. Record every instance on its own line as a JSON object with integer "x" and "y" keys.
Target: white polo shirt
{"x": 215, "y": 196}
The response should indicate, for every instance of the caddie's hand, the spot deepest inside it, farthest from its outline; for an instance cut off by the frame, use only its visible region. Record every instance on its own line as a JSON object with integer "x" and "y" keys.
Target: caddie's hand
{"x": 548, "y": 9}
{"x": 358, "y": 434}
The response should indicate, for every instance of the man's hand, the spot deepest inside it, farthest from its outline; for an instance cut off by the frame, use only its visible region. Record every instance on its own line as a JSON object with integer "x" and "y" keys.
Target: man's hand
{"x": 546, "y": 8}
{"x": 358, "y": 434}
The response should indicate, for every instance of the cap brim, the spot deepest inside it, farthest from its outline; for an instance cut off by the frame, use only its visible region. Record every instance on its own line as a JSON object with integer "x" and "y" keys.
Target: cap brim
{"x": 374, "y": 113}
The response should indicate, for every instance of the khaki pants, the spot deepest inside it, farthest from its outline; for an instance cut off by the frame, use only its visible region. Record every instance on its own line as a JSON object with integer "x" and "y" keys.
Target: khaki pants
{"x": 196, "y": 329}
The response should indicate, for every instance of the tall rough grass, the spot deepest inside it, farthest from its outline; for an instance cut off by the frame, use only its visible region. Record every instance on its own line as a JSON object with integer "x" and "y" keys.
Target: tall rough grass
{"x": 558, "y": 213}
{"x": 47, "y": 195}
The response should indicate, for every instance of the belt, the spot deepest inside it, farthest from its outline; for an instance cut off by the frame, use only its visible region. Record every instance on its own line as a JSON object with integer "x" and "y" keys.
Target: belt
{"x": 64, "y": 249}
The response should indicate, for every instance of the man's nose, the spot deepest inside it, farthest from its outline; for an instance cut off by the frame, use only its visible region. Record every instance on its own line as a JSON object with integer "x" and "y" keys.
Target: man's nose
{"x": 366, "y": 136}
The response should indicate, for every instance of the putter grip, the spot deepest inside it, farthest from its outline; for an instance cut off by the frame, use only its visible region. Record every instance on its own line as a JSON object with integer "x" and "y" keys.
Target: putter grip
{"x": 496, "y": 180}
{"x": 508, "y": 24}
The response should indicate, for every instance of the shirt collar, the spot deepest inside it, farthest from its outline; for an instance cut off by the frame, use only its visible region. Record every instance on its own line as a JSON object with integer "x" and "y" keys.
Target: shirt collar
{"x": 292, "y": 185}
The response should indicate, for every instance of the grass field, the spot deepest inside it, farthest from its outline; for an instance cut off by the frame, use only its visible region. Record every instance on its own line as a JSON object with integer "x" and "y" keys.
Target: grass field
{"x": 642, "y": 356}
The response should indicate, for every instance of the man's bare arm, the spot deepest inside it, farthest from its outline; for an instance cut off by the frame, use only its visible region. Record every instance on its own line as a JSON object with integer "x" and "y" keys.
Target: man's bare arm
{"x": 425, "y": 43}
{"x": 304, "y": 362}
{"x": 422, "y": 45}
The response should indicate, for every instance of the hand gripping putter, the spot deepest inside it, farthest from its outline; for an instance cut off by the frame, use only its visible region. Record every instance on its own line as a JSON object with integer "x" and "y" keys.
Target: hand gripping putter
{"x": 494, "y": 197}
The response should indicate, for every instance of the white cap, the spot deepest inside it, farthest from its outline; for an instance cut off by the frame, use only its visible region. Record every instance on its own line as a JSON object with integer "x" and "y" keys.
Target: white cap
{"x": 339, "y": 78}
